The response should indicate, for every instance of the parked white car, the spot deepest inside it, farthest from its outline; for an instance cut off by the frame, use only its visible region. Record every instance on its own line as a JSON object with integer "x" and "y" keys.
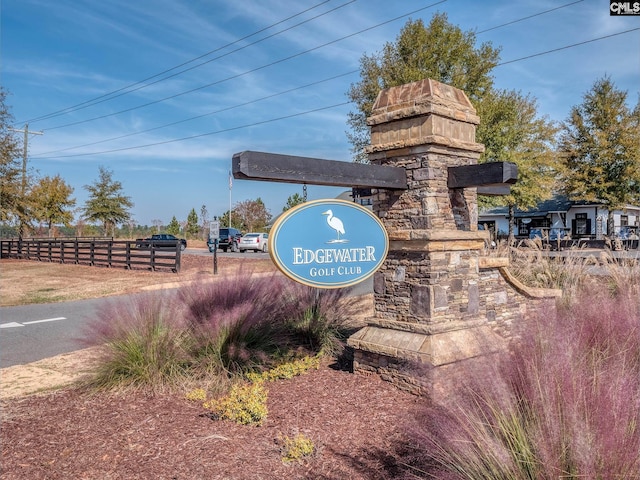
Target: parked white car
{"x": 254, "y": 241}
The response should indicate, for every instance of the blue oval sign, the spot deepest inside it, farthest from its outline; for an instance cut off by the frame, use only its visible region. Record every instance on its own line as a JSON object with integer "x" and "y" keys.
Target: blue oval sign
{"x": 328, "y": 243}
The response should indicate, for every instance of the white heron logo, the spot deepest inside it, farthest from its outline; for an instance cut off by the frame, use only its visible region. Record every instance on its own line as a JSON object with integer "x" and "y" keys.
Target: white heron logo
{"x": 337, "y": 225}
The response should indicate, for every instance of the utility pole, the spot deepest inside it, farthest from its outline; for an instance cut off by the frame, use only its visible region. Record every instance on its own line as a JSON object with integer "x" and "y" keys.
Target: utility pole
{"x": 25, "y": 149}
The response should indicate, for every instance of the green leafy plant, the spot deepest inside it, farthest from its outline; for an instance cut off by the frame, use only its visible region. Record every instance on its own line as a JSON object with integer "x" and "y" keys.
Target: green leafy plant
{"x": 286, "y": 370}
{"x": 197, "y": 395}
{"x": 246, "y": 404}
{"x": 296, "y": 448}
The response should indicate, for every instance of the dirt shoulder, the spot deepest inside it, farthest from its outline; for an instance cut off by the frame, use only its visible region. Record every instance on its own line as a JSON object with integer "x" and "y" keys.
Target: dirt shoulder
{"x": 46, "y": 375}
{"x": 27, "y": 282}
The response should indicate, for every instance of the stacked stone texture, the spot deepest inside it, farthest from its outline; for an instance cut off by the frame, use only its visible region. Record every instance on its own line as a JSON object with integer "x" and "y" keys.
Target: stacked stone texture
{"x": 435, "y": 304}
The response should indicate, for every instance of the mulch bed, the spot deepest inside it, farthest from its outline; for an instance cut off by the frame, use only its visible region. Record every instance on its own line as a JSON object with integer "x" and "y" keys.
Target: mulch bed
{"x": 356, "y": 422}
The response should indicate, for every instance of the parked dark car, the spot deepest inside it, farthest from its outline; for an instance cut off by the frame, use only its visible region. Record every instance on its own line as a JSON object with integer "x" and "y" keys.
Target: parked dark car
{"x": 161, "y": 240}
{"x": 228, "y": 238}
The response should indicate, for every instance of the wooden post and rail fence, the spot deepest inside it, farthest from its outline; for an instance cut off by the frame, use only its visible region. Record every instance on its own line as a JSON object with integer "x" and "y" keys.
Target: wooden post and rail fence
{"x": 102, "y": 252}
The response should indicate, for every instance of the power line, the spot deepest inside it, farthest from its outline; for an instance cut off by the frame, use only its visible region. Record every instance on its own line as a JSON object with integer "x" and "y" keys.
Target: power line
{"x": 306, "y": 86}
{"x": 25, "y": 150}
{"x": 528, "y": 17}
{"x": 232, "y": 107}
{"x": 567, "y": 46}
{"x": 314, "y": 110}
{"x": 253, "y": 70}
{"x": 230, "y": 129}
{"x": 140, "y": 84}
{"x": 101, "y": 98}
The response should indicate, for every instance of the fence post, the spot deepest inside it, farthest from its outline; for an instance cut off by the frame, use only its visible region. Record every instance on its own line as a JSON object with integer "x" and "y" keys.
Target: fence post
{"x": 128, "y": 255}
{"x": 178, "y": 256}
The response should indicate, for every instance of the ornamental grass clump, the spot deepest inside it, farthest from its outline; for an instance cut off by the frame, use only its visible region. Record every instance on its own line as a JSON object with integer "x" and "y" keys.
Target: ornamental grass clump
{"x": 564, "y": 403}
{"x": 215, "y": 332}
{"x": 236, "y": 325}
{"x": 143, "y": 344}
{"x": 530, "y": 263}
{"x": 320, "y": 319}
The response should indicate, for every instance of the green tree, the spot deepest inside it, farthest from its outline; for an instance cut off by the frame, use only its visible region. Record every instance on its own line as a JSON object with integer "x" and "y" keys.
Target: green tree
{"x": 512, "y": 131}
{"x": 174, "y": 226}
{"x": 440, "y": 51}
{"x": 192, "y": 224}
{"x": 51, "y": 201}
{"x": 292, "y": 201}
{"x": 11, "y": 199}
{"x": 600, "y": 146}
{"x": 253, "y": 215}
{"x": 107, "y": 204}
{"x": 236, "y": 221}
{"x": 510, "y": 127}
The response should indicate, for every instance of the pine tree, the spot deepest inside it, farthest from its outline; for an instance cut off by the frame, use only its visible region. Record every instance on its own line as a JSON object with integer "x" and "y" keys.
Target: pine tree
{"x": 174, "y": 226}
{"x": 106, "y": 202}
{"x": 600, "y": 146}
{"x": 192, "y": 224}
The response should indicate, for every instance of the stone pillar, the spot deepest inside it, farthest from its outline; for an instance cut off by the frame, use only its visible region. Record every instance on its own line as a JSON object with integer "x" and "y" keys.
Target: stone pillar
{"x": 426, "y": 295}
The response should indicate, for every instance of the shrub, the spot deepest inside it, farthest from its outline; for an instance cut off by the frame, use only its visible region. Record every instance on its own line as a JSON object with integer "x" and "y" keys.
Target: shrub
{"x": 197, "y": 395}
{"x": 565, "y": 403}
{"x": 296, "y": 448}
{"x": 286, "y": 370}
{"x": 144, "y": 343}
{"x": 245, "y": 404}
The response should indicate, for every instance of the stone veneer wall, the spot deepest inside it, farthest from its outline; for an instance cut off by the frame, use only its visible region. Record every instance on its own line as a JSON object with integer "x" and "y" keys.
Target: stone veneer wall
{"x": 436, "y": 300}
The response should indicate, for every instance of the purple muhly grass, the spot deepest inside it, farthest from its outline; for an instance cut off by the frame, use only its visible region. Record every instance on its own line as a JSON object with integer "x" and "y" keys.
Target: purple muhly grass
{"x": 139, "y": 314}
{"x": 234, "y": 321}
{"x": 564, "y": 402}
{"x": 320, "y": 316}
{"x": 143, "y": 342}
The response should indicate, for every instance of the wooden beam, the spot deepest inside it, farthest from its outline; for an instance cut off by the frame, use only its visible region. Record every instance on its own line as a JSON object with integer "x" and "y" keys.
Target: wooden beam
{"x": 315, "y": 171}
{"x": 483, "y": 174}
{"x": 494, "y": 190}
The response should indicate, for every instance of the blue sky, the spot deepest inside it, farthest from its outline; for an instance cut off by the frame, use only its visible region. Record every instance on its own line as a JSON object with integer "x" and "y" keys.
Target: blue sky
{"x": 164, "y": 92}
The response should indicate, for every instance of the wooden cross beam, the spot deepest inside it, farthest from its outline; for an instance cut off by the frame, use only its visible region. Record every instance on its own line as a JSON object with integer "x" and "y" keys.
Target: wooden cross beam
{"x": 315, "y": 171}
{"x": 490, "y": 178}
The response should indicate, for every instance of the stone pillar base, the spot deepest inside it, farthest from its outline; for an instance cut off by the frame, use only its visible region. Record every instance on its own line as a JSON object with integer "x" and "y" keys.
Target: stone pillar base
{"x": 398, "y": 355}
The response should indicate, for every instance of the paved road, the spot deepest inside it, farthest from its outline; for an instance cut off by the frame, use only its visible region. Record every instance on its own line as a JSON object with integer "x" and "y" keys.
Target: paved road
{"x": 32, "y": 332}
